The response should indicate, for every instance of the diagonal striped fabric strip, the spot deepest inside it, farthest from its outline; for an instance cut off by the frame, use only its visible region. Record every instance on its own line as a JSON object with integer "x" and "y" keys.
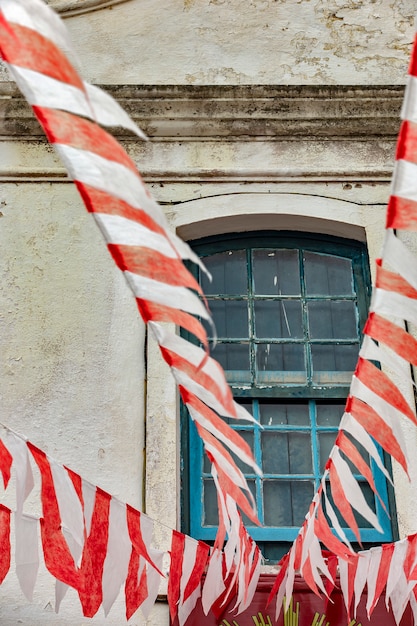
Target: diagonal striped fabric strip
{"x": 376, "y": 405}
{"x": 132, "y": 223}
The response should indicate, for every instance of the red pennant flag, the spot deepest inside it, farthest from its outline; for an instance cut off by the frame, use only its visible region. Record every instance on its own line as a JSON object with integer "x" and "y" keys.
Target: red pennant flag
{"x": 5, "y": 553}
{"x": 6, "y": 461}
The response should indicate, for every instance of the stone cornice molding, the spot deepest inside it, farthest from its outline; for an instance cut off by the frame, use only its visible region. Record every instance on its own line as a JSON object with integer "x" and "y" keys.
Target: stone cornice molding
{"x": 237, "y": 113}
{"x": 67, "y": 8}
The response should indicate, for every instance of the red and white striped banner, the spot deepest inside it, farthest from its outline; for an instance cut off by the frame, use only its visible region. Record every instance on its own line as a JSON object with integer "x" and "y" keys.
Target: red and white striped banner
{"x": 96, "y": 544}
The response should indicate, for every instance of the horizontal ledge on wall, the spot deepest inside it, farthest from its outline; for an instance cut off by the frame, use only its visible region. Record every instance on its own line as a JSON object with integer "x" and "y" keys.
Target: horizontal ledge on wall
{"x": 243, "y": 111}
{"x": 214, "y": 177}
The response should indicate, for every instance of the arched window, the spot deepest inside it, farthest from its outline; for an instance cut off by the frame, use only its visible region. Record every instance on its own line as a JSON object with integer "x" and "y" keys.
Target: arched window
{"x": 288, "y": 309}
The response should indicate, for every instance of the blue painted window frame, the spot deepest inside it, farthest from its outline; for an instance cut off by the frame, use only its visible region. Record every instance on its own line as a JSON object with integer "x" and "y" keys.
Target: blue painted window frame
{"x": 193, "y": 472}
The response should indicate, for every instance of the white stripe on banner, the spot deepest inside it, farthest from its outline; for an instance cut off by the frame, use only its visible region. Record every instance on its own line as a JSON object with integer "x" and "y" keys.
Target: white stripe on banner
{"x": 404, "y": 180}
{"x": 109, "y": 176}
{"x": 36, "y": 15}
{"x": 176, "y": 297}
{"x": 122, "y": 231}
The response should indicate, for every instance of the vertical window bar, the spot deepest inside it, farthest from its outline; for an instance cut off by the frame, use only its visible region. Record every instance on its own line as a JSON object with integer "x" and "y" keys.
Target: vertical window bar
{"x": 307, "y": 346}
{"x": 314, "y": 442}
{"x": 251, "y": 314}
{"x": 258, "y": 458}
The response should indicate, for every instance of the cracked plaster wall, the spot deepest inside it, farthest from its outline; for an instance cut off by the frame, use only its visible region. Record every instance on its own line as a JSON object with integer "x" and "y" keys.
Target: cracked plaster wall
{"x": 250, "y": 42}
{"x": 70, "y": 343}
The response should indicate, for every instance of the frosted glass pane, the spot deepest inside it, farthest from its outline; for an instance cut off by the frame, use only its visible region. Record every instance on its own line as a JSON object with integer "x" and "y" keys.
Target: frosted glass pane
{"x": 329, "y": 414}
{"x": 326, "y": 441}
{"x": 229, "y": 273}
{"x": 334, "y": 364}
{"x": 332, "y": 319}
{"x": 327, "y": 275}
{"x": 276, "y": 272}
{"x": 286, "y": 453}
{"x": 234, "y": 358}
{"x": 286, "y": 502}
{"x": 211, "y": 517}
{"x": 230, "y": 318}
{"x": 278, "y": 319}
{"x": 280, "y": 363}
{"x": 295, "y": 414}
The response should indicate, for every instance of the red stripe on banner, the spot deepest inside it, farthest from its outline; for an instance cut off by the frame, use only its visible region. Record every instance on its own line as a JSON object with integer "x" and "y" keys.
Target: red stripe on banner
{"x": 175, "y": 572}
{"x": 77, "y": 481}
{"x": 154, "y": 265}
{"x": 6, "y": 461}
{"x": 351, "y": 573}
{"x": 410, "y": 556}
{"x": 58, "y": 558}
{"x": 214, "y": 419}
{"x": 87, "y": 579}
{"x": 283, "y": 565}
{"x": 97, "y": 201}
{"x": 324, "y": 534}
{"x": 391, "y": 281}
{"x": 152, "y": 311}
{"x": 298, "y": 548}
{"x": 353, "y": 454}
{"x": 401, "y": 214}
{"x": 65, "y": 128}
{"x": 412, "y": 68}
{"x": 209, "y": 439}
{"x": 5, "y": 548}
{"x": 135, "y": 534}
{"x": 407, "y": 142}
{"x": 340, "y": 499}
{"x": 376, "y": 427}
{"x": 136, "y": 589}
{"x": 307, "y": 573}
{"x": 378, "y": 382}
{"x": 94, "y": 554}
{"x": 383, "y": 571}
{"x": 199, "y": 566}
{"x": 24, "y": 47}
{"x": 330, "y": 584}
{"x": 396, "y": 338}
{"x": 229, "y": 487}
{"x": 198, "y": 375}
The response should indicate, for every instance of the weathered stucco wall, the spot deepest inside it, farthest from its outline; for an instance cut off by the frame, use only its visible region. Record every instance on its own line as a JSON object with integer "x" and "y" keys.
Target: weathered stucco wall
{"x": 71, "y": 364}
{"x": 71, "y": 345}
{"x": 252, "y": 42}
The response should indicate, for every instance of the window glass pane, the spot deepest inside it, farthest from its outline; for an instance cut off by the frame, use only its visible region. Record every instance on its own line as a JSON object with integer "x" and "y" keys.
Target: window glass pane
{"x": 295, "y": 414}
{"x": 286, "y": 453}
{"x": 280, "y": 363}
{"x": 333, "y": 363}
{"x": 331, "y": 319}
{"x": 230, "y": 318}
{"x": 211, "y": 516}
{"x": 278, "y": 319}
{"x": 229, "y": 273}
{"x": 326, "y": 442}
{"x": 329, "y": 413}
{"x": 276, "y": 272}
{"x": 327, "y": 275}
{"x": 234, "y": 358}
{"x": 286, "y": 502}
